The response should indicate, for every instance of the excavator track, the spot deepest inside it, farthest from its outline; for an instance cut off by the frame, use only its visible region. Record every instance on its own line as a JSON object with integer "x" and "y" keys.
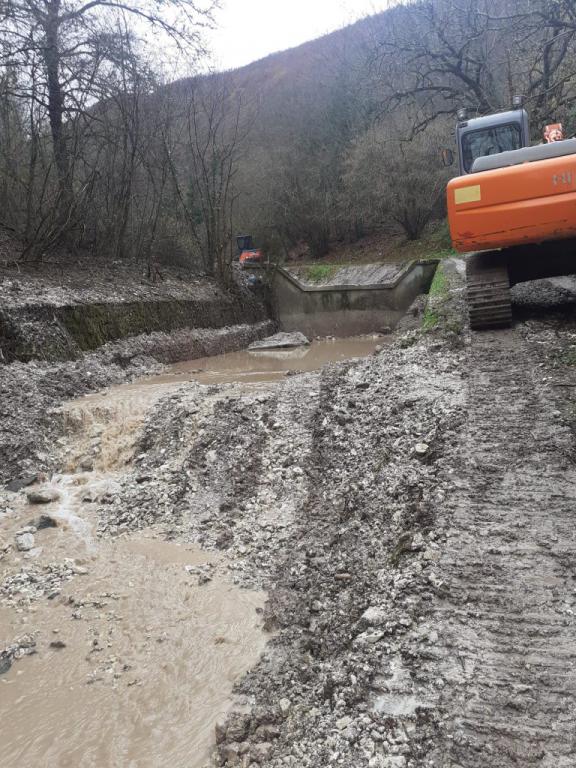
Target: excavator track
{"x": 488, "y": 291}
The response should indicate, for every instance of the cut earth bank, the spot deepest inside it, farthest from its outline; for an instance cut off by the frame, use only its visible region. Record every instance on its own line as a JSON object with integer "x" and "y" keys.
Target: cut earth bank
{"x": 390, "y": 512}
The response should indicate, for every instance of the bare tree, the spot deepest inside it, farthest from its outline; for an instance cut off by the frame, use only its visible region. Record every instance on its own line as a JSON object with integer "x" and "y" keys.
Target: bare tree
{"x": 77, "y": 43}
{"x": 391, "y": 178}
{"x": 203, "y": 152}
{"x": 436, "y": 55}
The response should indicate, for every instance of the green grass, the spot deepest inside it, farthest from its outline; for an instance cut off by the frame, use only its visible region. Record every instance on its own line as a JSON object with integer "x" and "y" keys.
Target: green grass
{"x": 439, "y": 285}
{"x": 318, "y": 273}
{"x": 439, "y": 291}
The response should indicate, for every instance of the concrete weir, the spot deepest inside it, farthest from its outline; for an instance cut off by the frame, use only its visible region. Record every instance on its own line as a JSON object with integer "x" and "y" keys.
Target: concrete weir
{"x": 349, "y": 300}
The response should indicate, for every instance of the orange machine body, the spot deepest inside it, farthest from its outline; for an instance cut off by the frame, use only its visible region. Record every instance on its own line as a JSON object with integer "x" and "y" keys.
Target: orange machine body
{"x": 515, "y": 205}
{"x": 253, "y": 256}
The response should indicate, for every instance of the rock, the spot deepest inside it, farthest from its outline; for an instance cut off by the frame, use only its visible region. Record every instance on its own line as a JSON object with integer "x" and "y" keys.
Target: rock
{"x": 5, "y": 662}
{"x": 285, "y": 705}
{"x": 21, "y": 482}
{"x": 230, "y": 754}
{"x": 237, "y": 728}
{"x": 343, "y": 722}
{"x": 343, "y": 576}
{"x": 260, "y": 752}
{"x": 57, "y": 644}
{"x": 394, "y": 761}
{"x": 42, "y": 495}
{"x": 267, "y": 732}
{"x": 23, "y": 646}
{"x": 370, "y": 637}
{"x": 24, "y": 542}
{"x": 373, "y": 617}
{"x": 44, "y": 521}
{"x": 281, "y": 341}
{"x": 421, "y": 449}
{"x": 220, "y": 730}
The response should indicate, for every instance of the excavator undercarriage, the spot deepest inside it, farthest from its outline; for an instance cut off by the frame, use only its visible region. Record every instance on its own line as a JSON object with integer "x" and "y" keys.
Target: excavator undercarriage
{"x": 488, "y": 291}
{"x": 491, "y": 274}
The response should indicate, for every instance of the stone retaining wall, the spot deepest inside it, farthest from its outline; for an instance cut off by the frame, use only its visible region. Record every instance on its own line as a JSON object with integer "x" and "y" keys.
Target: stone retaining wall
{"x": 49, "y": 332}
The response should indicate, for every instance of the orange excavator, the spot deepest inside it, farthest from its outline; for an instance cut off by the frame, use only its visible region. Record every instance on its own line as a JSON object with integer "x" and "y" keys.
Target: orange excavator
{"x": 512, "y": 209}
{"x": 247, "y": 254}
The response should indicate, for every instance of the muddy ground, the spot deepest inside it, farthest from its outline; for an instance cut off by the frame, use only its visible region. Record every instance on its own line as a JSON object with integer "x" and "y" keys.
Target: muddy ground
{"x": 30, "y": 393}
{"x": 410, "y": 517}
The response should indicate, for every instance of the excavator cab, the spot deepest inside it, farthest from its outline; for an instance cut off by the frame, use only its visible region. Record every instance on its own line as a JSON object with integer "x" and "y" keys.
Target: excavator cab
{"x": 490, "y": 135}
{"x": 244, "y": 243}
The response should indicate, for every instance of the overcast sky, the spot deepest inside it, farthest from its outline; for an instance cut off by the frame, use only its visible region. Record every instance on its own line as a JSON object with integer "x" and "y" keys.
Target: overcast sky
{"x": 251, "y": 29}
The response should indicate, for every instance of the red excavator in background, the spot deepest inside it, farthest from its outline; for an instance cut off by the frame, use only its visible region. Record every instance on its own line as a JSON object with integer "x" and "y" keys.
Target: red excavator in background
{"x": 248, "y": 255}
{"x": 513, "y": 205}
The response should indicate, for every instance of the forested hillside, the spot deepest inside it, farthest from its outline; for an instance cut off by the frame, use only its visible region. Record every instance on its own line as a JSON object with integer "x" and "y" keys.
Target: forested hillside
{"x": 327, "y": 142}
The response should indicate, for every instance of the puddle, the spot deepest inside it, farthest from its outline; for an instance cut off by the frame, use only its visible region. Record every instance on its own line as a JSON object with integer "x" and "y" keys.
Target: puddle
{"x": 148, "y": 667}
{"x": 265, "y": 365}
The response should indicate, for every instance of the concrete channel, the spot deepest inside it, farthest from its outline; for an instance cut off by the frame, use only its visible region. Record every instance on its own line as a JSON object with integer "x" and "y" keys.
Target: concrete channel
{"x": 354, "y": 300}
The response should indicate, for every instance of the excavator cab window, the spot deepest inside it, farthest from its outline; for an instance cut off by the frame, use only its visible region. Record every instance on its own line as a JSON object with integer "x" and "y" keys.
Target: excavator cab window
{"x": 245, "y": 243}
{"x": 490, "y": 141}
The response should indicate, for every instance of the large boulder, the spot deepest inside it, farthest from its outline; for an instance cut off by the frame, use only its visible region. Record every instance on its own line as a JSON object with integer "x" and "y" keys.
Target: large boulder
{"x": 281, "y": 341}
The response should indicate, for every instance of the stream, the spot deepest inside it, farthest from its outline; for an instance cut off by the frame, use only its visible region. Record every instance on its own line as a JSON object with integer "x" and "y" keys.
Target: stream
{"x": 137, "y": 654}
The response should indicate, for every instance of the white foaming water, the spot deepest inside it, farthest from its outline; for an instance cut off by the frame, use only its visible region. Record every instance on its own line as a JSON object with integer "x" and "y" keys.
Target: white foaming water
{"x": 66, "y": 506}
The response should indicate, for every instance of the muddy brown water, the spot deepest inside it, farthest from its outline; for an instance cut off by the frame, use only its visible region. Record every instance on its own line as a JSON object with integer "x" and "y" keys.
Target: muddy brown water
{"x": 264, "y": 365}
{"x": 150, "y": 656}
{"x": 148, "y": 666}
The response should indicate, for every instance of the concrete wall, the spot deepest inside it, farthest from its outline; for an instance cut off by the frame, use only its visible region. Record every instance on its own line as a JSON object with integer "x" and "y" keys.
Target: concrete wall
{"x": 348, "y": 310}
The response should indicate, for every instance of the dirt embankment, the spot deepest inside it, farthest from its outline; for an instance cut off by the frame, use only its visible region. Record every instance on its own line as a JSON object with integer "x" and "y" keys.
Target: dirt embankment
{"x": 47, "y": 318}
{"x": 30, "y": 393}
{"x": 72, "y": 327}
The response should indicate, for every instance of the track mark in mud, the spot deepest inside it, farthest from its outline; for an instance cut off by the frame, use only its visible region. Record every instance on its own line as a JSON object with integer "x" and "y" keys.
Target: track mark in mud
{"x": 507, "y": 621}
